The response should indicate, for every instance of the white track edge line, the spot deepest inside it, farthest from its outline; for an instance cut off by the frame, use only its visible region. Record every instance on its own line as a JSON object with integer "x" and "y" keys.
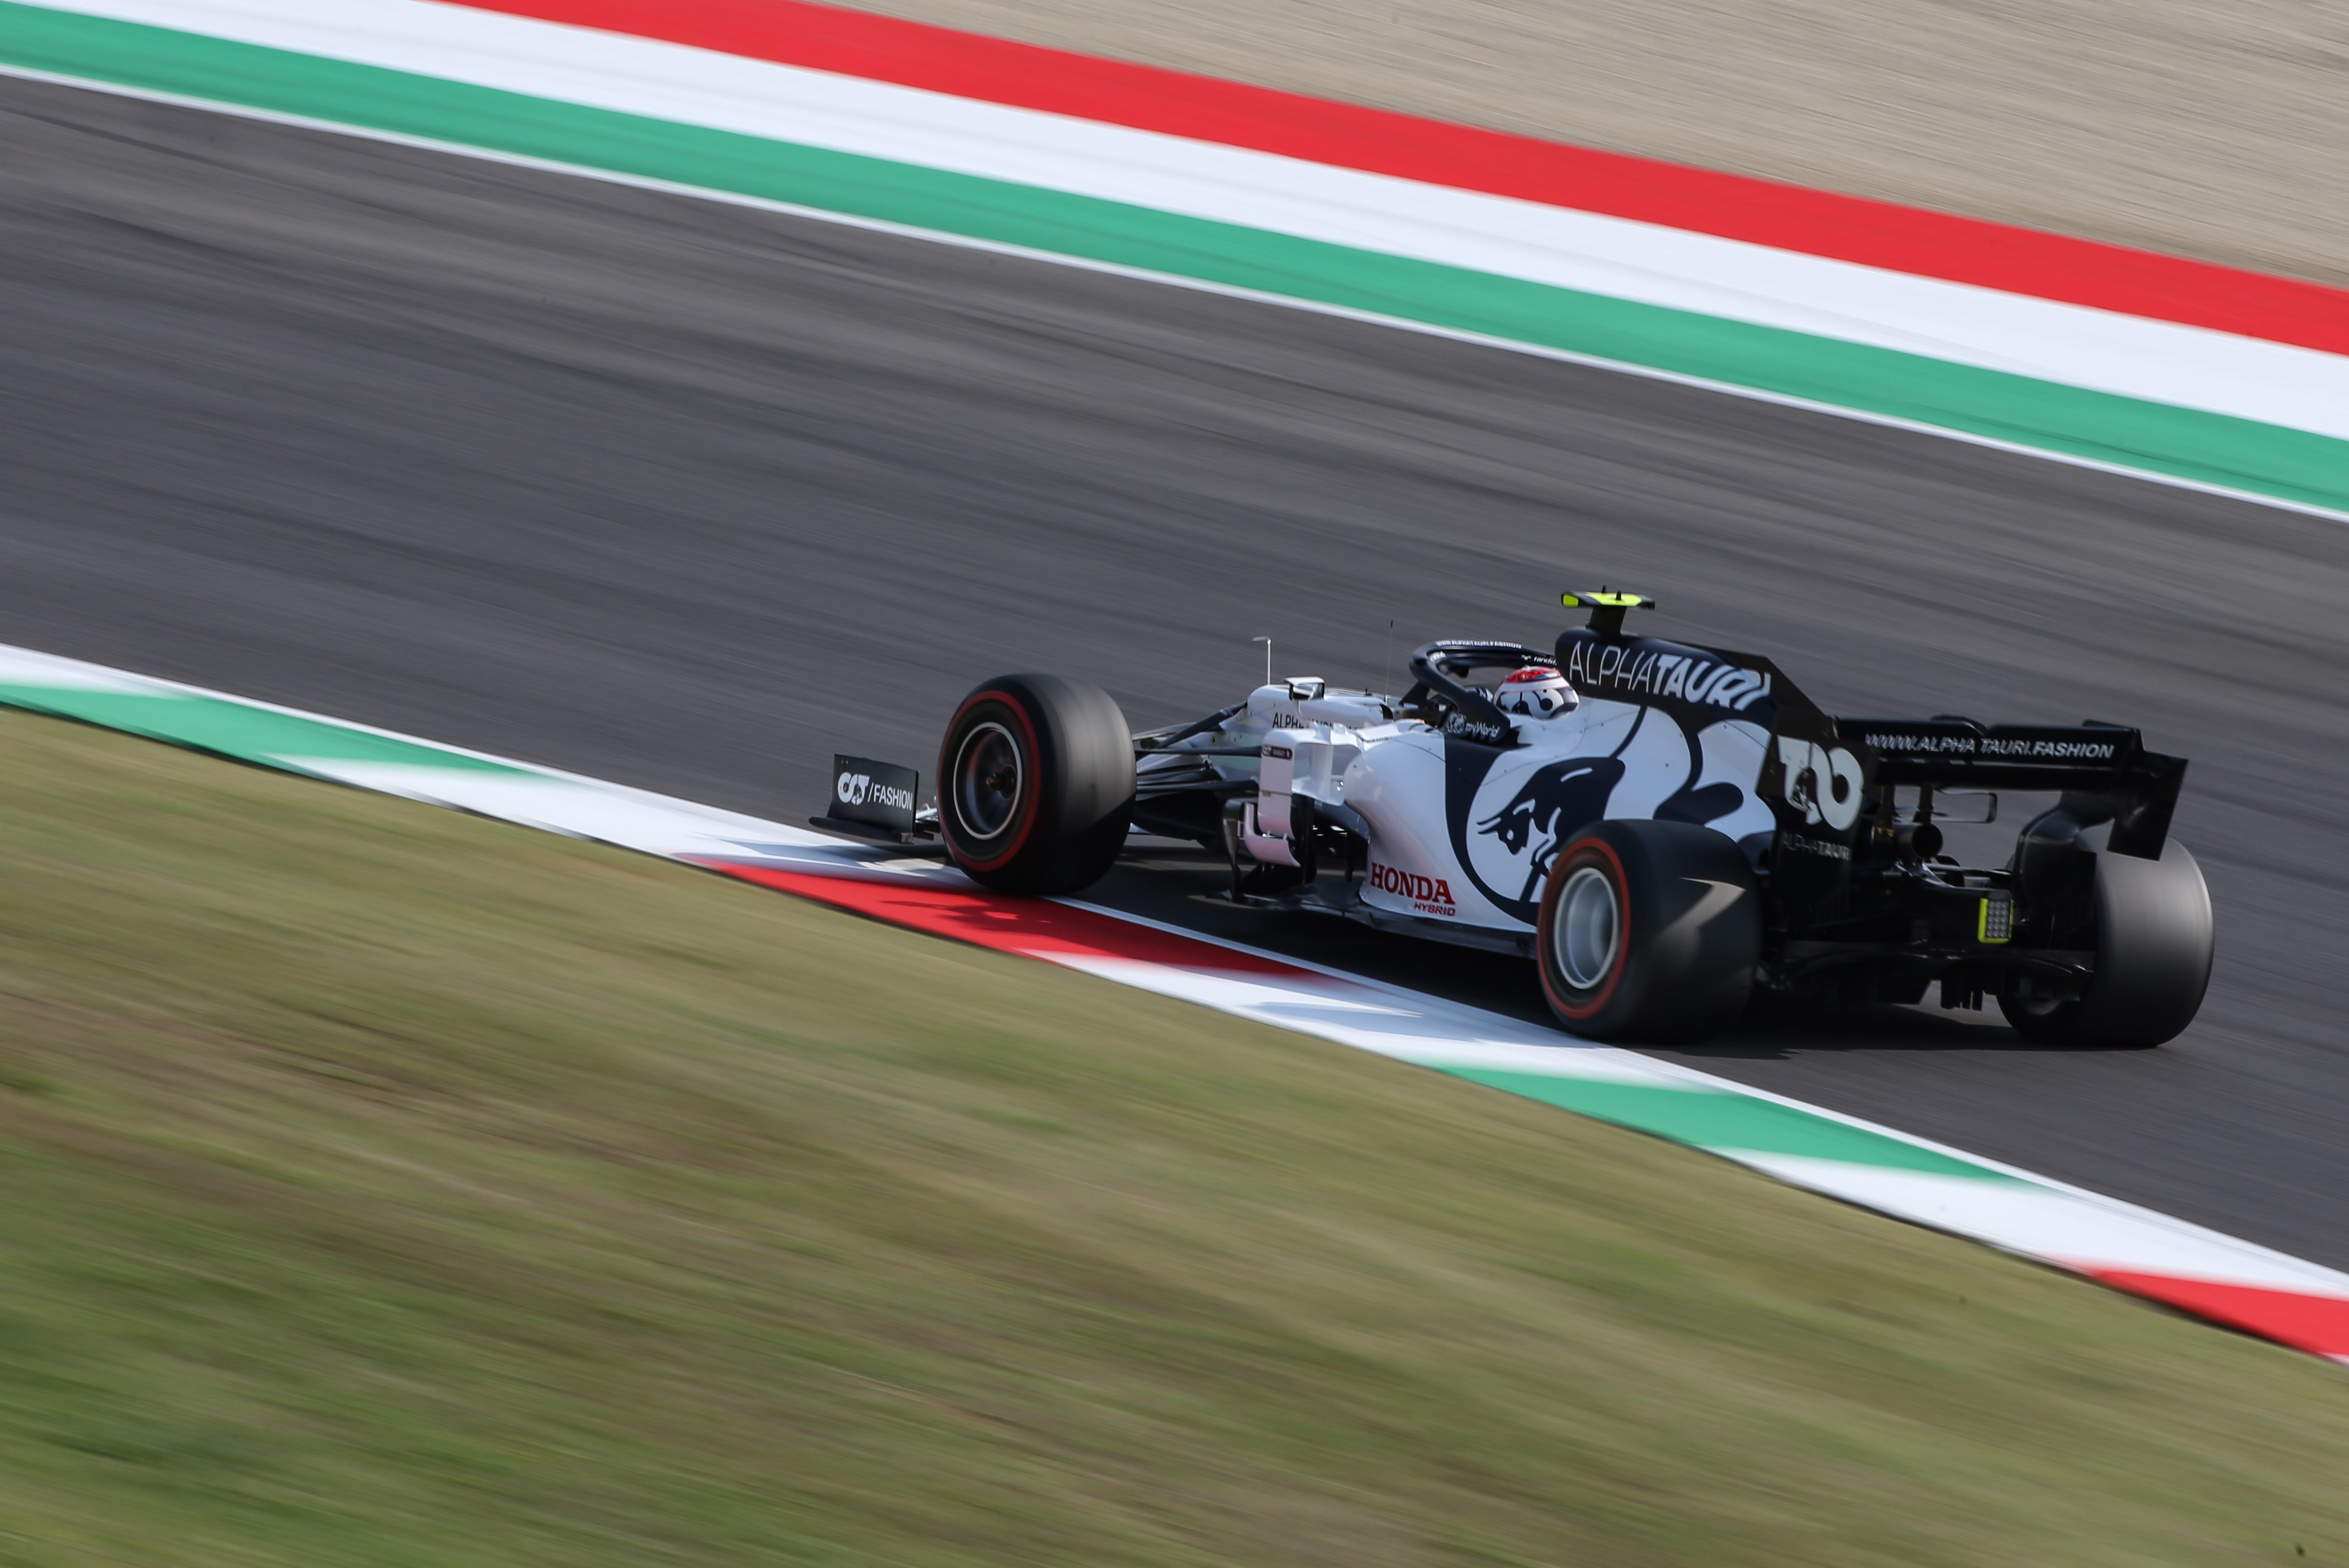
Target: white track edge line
{"x": 1176, "y": 280}
{"x": 184, "y": 689}
{"x": 2151, "y": 357}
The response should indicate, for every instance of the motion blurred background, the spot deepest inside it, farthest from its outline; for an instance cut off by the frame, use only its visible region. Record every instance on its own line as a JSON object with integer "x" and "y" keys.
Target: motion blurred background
{"x": 363, "y": 1216}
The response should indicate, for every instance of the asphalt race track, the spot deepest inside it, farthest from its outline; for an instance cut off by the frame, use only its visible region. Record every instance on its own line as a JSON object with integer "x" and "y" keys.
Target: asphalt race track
{"x": 689, "y": 496}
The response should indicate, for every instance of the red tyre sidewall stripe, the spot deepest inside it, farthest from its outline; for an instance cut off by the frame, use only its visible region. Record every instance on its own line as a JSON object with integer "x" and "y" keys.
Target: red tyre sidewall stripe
{"x": 1035, "y": 768}
{"x": 1579, "y": 1011}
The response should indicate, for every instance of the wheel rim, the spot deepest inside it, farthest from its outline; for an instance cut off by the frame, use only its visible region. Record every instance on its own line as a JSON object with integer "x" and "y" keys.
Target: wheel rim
{"x": 987, "y": 779}
{"x": 1589, "y": 928}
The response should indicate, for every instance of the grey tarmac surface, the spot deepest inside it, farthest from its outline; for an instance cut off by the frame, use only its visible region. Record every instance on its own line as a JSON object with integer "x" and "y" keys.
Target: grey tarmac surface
{"x": 689, "y": 496}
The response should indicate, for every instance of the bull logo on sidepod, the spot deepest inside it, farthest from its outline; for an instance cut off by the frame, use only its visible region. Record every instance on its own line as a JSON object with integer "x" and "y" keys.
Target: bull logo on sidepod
{"x": 1552, "y": 804}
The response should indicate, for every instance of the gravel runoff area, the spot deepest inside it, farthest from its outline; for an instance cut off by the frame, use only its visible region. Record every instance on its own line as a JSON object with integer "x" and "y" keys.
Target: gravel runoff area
{"x": 2210, "y": 130}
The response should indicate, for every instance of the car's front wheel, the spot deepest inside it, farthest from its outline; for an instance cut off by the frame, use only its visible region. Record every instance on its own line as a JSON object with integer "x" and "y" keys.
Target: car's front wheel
{"x": 1036, "y": 784}
{"x": 1649, "y": 931}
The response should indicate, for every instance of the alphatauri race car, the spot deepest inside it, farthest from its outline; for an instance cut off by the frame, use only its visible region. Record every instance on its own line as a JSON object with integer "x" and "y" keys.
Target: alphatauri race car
{"x": 1664, "y": 828}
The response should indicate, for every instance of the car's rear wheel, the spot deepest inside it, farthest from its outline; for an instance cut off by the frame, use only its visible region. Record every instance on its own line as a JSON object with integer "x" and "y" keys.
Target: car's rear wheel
{"x": 1649, "y": 931}
{"x": 1036, "y": 784}
{"x": 2154, "y": 937}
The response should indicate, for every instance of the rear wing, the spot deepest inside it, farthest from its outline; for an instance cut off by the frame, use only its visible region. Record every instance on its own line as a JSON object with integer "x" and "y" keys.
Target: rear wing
{"x": 2103, "y": 770}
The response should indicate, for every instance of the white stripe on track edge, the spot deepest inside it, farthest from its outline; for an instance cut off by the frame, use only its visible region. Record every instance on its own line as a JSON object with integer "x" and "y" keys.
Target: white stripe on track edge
{"x": 2134, "y": 357}
{"x": 1196, "y": 285}
{"x": 2044, "y": 1221}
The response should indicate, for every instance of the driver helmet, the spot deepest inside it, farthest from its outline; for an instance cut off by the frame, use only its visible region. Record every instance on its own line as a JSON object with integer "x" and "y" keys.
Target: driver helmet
{"x": 1536, "y": 691}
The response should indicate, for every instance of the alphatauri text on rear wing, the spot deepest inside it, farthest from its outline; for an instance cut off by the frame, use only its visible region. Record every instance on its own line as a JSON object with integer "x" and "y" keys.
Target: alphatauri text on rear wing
{"x": 2103, "y": 770}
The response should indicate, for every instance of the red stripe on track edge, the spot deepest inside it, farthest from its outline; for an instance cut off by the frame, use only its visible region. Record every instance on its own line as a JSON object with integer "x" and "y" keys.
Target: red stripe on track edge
{"x": 1032, "y": 927}
{"x": 2318, "y": 1324}
{"x": 1730, "y": 206}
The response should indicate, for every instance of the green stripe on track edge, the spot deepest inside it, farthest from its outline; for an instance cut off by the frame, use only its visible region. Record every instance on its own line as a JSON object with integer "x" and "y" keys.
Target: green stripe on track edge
{"x": 2183, "y": 443}
{"x": 234, "y": 730}
{"x": 1726, "y": 1122}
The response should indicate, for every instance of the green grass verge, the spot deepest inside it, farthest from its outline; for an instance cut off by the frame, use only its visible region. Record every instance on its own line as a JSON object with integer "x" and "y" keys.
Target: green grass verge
{"x": 383, "y": 1186}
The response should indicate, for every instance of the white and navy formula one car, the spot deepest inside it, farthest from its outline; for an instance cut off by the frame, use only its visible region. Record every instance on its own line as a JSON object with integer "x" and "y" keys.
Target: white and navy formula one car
{"x": 1663, "y": 828}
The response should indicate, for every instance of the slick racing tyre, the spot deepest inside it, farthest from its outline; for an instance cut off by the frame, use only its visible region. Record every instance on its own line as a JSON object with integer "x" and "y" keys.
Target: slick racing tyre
{"x": 2154, "y": 938}
{"x": 1036, "y": 784}
{"x": 1649, "y": 931}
